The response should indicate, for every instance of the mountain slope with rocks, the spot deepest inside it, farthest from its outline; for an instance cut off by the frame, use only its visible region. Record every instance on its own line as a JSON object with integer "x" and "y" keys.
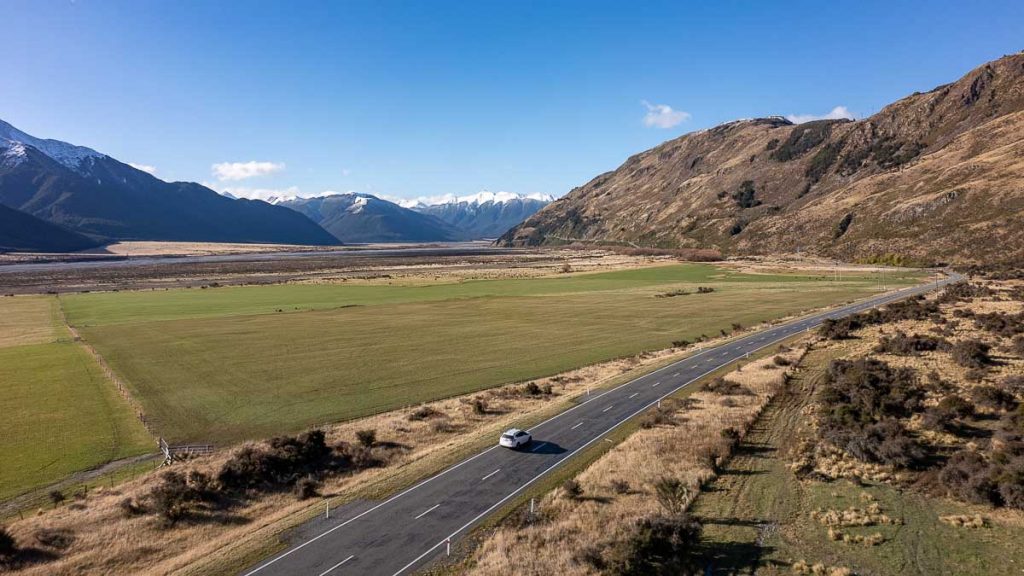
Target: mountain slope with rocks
{"x": 934, "y": 177}
{"x": 364, "y": 218}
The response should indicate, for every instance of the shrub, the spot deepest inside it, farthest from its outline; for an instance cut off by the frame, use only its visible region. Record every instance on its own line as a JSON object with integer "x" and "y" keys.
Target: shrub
{"x": 1013, "y": 384}
{"x": 424, "y": 413}
{"x": 657, "y": 417}
{"x": 278, "y": 465}
{"x": 966, "y": 476}
{"x": 8, "y": 546}
{"x": 1017, "y": 347}
{"x": 1001, "y": 324}
{"x": 680, "y": 343}
{"x": 725, "y": 387}
{"x": 861, "y": 401}
{"x": 55, "y": 538}
{"x": 781, "y": 361}
{"x": 992, "y": 397}
{"x": 56, "y": 496}
{"x": 367, "y": 437}
{"x": 658, "y": 546}
{"x": 971, "y": 354}
{"x": 672, "y": 494}
{"x": 444, "y": 426}
{"x": 307, "y": 488}
{"x": 746, "y": 195}
{"x": 532, "y": 389}
{"x": 131, "y": 507}
{"x": 572, "y": 489}
{"x": 903, "y": 345}
{"x": 479, "y": 406}
{"x": 620, "y": 486}
{"x": 173, "y": 498}
{"x": 839, "y": 329}
{"x": 843, "y": 226}
{"x": 705, "y": 290}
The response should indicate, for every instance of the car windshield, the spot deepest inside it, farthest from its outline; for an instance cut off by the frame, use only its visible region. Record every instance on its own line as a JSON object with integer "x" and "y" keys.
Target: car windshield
{"x": 506, "y": 436}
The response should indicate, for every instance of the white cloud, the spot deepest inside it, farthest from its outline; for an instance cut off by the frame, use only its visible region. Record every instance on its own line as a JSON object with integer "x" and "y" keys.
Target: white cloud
{"x": 837, "y": 113}
{"x": 243, "y": 170}
{"x": 144, "y": 167}
{"x": 663, "y": 116}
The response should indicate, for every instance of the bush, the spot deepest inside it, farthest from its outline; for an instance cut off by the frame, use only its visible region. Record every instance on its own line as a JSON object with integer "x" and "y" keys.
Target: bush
{"x": 174, "y": 498}
{"x": 662, "y": 545}
{"x": 8, "y": 546}
{"x": 781, "y": 361}
{"x": 966, "y": 476}
{"x": 841, "y": 328}
{"x": 971, "y": 354}
{"x": 56, "y": 496}
{"x": 861, "y": 401}
{"x": 55, "y": 538}
{"x": 367, "y": 437}
{"x": 1017, "y": 347}
{"x": 1001, "y": 324}
{"x": 746, "y": 195}
{"x": 620, "y": 486}
{"x": 278, "y": 465}
{"x": 307, "y": 488}
{"x": 992, "y": 397}
{"x": 705, "y": 290}
{"x": 424, "y": 413}
{"x": 725, "y": 387}
{"x": 672, "y": 494}
{"x": 130, "y": 507}
{"x": 657, "y": 417}
{"x": 680, "y": 343}
{"x": 903, "y": 345}
{"x": 572, "y": 489}
{"x": 479, "y": 406}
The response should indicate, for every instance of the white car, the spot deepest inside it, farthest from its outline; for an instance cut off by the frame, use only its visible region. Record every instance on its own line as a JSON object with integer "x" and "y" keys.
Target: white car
{"x": 515, "y": 438}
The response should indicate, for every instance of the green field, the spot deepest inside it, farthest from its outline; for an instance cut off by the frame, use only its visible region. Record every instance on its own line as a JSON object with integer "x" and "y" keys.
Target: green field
{"x": 59, "y": 413}
{"x": 221, "y": 365}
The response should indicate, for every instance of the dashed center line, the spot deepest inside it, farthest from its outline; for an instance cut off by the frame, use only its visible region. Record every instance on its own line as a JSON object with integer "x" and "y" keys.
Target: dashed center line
{"x": 655, "y": 384}
{"x": 491, "y": 474}
{"x": 538, "y": 447}
{"x": 608, "y": 408}
{"x": 576, "y": 426}
{"x": 338, "y": 564}
{"x": 633, "y": 395}
{"x": 675, "y": 374}
{"x": 427, "y": 511}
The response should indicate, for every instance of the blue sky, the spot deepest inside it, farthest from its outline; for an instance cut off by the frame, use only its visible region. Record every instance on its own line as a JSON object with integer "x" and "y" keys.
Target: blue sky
{"x": 423, "y": 98}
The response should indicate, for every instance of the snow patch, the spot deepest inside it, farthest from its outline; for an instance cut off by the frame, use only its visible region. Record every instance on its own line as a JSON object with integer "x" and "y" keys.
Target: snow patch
{"x": 67, "y": 154}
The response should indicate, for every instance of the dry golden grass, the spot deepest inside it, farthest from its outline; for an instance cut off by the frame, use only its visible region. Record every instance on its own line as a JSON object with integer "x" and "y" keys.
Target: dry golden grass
{"x": 964, "y": 520}
{"x": 28, "y": 320}
{"x": 603, "y": 514}
{"x": 108, "y": 541}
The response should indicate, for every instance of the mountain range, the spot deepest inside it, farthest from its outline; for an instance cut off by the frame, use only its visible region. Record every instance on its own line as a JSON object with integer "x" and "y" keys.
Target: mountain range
{"x": 486, "y": 214}
{"x": 936, "y": 176}
{"x": 90, "y": 193}
{"x": 360, "y": 218}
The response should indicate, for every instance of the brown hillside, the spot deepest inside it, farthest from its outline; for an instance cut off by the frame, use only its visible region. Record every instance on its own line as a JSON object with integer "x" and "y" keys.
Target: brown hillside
{"x": 936, "y": 176}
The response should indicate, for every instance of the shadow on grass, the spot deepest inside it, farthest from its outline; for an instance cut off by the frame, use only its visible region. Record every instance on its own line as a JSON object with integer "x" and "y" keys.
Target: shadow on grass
{"x": 734, "y": 557}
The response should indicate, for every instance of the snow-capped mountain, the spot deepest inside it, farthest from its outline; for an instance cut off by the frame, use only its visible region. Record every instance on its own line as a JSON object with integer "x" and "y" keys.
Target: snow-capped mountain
{"x": 482, "y": 215}
{"x": 93, "y": 194}
{"x": 359, "y": 218}
{"x": 69, "y": 155}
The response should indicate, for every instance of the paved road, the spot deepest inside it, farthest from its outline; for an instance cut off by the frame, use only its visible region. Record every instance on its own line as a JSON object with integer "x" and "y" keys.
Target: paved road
{"x": 409, "y": 530}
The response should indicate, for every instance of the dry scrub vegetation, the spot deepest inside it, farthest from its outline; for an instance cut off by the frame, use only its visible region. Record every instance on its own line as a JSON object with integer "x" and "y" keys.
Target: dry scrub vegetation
{"x": 198, "y": 516}
{"x": 930, "y": 396}
{"x": 625, "y": 514}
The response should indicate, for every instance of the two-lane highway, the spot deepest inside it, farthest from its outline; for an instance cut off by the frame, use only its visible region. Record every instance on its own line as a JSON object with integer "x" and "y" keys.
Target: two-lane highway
{"x": 411, "y": 528}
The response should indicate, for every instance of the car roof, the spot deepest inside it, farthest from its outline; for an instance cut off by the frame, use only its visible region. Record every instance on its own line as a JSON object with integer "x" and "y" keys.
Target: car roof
{"x": 513, "y": 431}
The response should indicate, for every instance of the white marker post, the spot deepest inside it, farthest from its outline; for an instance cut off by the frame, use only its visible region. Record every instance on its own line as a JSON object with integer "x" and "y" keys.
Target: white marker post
{"x": 532, "y": 500}
{"x": 448, "y": 546}
{"x": 327, "y": 511}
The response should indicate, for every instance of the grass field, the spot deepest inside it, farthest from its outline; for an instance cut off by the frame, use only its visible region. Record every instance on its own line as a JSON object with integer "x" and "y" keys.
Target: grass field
{"x": 221, "y": 365}
{"x": 757, "y": 514}
{"x": 59, "y": 414}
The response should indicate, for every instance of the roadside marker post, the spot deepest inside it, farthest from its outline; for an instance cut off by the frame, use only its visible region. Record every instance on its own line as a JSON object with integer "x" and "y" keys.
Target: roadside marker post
{"x": 327, "y": 512}
{"x": 448, "y": 546}
{"x": 532, "y": 500}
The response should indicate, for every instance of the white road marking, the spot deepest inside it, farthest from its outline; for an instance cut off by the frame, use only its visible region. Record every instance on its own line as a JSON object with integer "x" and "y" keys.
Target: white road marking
{"x": 338, "y": 564}
{"x": 655, "y": 384}
{"x": 538, "y": 447}
{"x": 608, "y": 408}
{"x": 576, "y": 426}
{"x": 676, "y": 374}
{"x": 491, "y": 474}
{"x": 427, "y": 511}
{"x": 633, "y": 395}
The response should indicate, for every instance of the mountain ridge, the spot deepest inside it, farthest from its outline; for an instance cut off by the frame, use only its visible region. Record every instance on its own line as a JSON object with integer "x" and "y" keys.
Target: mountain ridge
{"x": 91, "y": 193}
{"x": 931, "y": 177}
